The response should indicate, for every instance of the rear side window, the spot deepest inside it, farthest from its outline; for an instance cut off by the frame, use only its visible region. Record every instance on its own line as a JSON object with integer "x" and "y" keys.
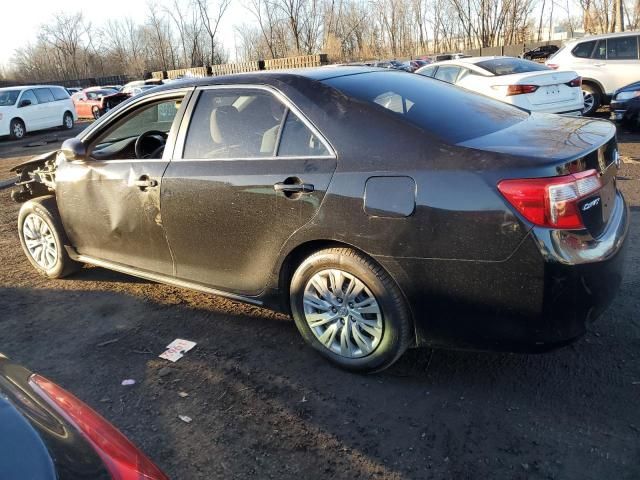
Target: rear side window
{"x": 584, "y": 49}
{"x": 427, "y": 71}
{"x": 44, "y": 95}
{"x": 622, "y": 48}
{"x": 59, "y": 93}
{"x": 247, "y": 123}
{"x": 600, "y": 51}
{"x": 443, "y": 110}
{"x": 447, "y": 73}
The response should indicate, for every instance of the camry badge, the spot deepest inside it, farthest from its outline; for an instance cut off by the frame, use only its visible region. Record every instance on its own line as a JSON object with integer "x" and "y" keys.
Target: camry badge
{"x": 590, "y": 205}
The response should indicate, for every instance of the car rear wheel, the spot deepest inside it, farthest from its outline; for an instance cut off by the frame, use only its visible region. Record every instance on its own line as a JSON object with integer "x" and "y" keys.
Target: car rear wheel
{"x": 591, "y": 96}
{"x": 96, "y": 112}
{"x": 350, "y": 310}
{"x": 67, "y": 121}
{"x": 43, "y": 238}
{"x": 17, "y": 129}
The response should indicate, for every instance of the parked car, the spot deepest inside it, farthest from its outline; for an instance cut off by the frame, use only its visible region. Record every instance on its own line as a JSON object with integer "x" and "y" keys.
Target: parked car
{"x": 412, "y": 65}
{"x": 96, "y": 101}
{"x": 138, "y": 86}
{"x": 492, "y": 228}
{"x": 72, "y": 90}
{"x": 621, "y": 99}
{"x": 522, "y": 83}
{"x": 46, "y": 433}
{"x": 540, "y": 53}
{"x": 36, "y": 107}
{"x": 605, "y": 63}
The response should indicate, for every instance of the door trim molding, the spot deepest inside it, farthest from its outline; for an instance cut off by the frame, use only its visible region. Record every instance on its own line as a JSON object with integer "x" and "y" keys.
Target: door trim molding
{"x": 158, "y": 277}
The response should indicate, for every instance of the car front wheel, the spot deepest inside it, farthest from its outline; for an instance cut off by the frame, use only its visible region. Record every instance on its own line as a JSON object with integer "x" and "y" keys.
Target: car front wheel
{"x": 67, "y": 121}
{"x": 43, "y": 238}
{"x": 350, "y": 310}
{"x": 17, "y": 129}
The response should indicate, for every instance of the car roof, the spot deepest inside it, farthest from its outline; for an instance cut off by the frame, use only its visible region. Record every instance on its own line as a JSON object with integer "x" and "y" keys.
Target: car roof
{"x": 26, "y": 87}
{"x": 603, "y": 35}
{"x": 269, "y": 76}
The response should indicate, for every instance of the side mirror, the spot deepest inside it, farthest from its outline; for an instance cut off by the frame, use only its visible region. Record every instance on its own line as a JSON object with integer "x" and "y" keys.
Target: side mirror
{"x": 74, "y": 149}
{"x": 24, "y": 103}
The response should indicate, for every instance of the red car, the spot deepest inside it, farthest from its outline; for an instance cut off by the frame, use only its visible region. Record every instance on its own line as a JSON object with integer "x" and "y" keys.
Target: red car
{"x": 95, "y": 101}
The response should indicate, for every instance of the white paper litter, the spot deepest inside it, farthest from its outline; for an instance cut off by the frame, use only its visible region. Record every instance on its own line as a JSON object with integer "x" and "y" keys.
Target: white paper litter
{"x": 128, "y": 381}
{"x": 185, "y": 419}
{"x": 176, "y": 349}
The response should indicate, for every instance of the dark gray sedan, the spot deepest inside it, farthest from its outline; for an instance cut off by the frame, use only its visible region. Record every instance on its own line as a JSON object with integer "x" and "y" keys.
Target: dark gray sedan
{"x": 382, "y": 210}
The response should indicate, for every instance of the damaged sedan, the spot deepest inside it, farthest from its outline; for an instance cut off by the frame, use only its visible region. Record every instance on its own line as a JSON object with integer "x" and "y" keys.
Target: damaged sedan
{"x": 493, "y": 228}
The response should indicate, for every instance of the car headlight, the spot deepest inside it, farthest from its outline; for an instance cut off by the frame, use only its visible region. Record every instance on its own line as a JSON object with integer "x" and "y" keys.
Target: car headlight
{"x": 627, "y": 95}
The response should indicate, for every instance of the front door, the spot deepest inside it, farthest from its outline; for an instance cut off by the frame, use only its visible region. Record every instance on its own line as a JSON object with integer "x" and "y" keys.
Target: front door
{"x": 251, "y": 173}
{"x": 110, "y": 202}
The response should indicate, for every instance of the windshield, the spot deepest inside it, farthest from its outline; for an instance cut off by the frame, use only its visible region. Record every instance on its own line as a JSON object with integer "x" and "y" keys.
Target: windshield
{"x": 435, "y": 106}
{"x": 509, "y": 66}
{"x": 8, "y": 97}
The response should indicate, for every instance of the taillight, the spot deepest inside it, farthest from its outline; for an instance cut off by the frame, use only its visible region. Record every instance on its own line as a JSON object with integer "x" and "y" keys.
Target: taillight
{"x": 576, "y": 82}
{"x": 552, "y": 66}
{"x": 551, "y": 202}
{"x": 520, "y": 89}
{"x": 122, "y": 458}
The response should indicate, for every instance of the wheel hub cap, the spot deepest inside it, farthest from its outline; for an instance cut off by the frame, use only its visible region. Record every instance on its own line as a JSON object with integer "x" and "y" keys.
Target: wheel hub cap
{"x": 343, "y": 313}
{"x": 40, "y": 242}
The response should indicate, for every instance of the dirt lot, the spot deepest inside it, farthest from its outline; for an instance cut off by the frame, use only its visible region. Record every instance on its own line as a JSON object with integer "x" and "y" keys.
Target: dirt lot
{"x": 265, "y": 406}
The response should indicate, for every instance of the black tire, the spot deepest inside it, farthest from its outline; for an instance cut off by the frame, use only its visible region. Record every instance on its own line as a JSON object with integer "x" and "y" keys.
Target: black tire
{"x": 17, "y": 130}
{"x": 67, "y": 121}
{"x": 397, "y": 327}
{"x": 589, "y": 91}
{"x": 96, "y": 112}
{"x": 46, "y": 209}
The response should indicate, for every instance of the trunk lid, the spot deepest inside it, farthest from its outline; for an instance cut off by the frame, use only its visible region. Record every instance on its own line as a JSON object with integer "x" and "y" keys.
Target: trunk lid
{"x": 548, "y": 145}
{"x": 552, "y": 86}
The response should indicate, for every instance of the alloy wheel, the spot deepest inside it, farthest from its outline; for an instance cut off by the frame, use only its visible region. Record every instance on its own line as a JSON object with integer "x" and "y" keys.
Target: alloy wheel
{"x": 589, "y": 101}
{"x": 343, "y": 313}
{"x": 68, "y": 122}
{"x": 40, "y": 241}
{"x": 18, "y": 130}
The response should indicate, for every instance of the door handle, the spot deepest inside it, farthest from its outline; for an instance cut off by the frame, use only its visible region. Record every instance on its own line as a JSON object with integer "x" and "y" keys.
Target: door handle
{"x": 145, "y": 182}
{"x": 293, "y": 187}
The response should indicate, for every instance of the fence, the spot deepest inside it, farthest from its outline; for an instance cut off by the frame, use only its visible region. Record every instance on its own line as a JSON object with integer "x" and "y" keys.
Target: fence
{"x": 231, "y": 68}
{"x": 508, "y": 50}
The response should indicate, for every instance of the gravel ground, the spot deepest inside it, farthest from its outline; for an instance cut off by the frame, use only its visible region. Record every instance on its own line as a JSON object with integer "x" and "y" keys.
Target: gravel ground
{"x": 265, "y": 406}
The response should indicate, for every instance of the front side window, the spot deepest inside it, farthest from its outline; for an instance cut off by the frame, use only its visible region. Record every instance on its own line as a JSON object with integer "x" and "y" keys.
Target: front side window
{"x": 584, "y": 49}
{"x": 43, "y": 95}
{"x": 246, "y": 123}
{"x": 622, "y": 48}
{"x": 29, "y": 95}
{"x": 8, "y": 97}
{"x": 148, "y": 125}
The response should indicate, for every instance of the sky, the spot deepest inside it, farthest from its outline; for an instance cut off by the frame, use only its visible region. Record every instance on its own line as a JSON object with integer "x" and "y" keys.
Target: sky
{"x": 20, "y": 20}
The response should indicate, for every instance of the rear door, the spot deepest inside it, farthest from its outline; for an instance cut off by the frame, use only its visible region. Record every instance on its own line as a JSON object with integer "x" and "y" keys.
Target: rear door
{"x": 249, "y": 170}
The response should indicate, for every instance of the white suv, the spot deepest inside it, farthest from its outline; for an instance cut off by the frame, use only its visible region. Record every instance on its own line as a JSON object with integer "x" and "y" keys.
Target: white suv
{"x": 605, "y": 63}
{"x": 24, "y": 109}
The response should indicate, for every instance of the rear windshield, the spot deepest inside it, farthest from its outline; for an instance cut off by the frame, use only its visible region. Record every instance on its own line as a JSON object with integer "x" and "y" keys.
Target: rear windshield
{"x": 8, "y": 97}
{"x": 444, "y": 110}
{"x": 509, "y": 66}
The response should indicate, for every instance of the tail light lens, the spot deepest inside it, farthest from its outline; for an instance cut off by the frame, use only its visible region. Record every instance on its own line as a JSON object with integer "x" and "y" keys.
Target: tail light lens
{"x": 552, "y": 66}
{"x": 122, "y": 458}
{"x": 576, "y": 82}
{"x": 551, "y": 202}
{"x": 521, "y": 89}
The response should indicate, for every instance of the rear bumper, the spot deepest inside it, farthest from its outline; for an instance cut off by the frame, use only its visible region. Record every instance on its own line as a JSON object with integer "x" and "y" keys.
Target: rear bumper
{"x": 543, "y": 296}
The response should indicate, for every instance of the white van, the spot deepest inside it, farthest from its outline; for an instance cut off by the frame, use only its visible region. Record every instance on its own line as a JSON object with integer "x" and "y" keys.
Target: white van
{"x": 25, "y": 109}
{"x": 605, "y": 63}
